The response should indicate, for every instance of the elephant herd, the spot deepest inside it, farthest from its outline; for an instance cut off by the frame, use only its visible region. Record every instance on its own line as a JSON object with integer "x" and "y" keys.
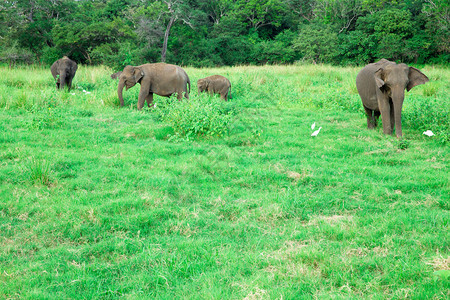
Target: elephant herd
{"x": 380, "y": 85}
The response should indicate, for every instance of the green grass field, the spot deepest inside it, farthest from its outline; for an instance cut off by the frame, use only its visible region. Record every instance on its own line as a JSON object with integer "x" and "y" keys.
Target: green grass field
{"x": 203, "y": 199}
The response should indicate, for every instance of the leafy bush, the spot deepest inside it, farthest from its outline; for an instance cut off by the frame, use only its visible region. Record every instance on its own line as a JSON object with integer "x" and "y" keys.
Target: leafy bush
{"x": 200, "y": 116}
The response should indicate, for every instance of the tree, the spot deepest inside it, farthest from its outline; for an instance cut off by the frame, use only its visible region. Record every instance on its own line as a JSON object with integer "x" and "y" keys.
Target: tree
{"x": 259, "y": 13}
{"x": 438, "y": 13}
{"x": 343, "y": 13}
{"x": 176, "y": 10}
{"x": 317, "y": 43}
{"x": 216, "y": 9}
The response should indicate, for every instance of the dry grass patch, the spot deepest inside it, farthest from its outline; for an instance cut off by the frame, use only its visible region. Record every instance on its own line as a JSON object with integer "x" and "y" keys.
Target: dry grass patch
{"x": 331, "y": 220}
{"x": 288, "y": 251}
{"x": 440, "y": 263}
{"x": 363, "y": 252}
{"x": 294, "y": 175}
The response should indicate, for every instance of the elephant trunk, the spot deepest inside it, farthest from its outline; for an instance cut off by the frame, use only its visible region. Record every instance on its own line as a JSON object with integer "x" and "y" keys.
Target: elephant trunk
{"x": 62, "y": 80}
{"x": 398, "y": 95}
{"x": 120, "y": 90}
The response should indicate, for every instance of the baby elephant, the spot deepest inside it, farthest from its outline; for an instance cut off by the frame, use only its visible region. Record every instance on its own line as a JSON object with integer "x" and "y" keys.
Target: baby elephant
{"x": 63, "y": 70}
{"x": 215, "y": 84}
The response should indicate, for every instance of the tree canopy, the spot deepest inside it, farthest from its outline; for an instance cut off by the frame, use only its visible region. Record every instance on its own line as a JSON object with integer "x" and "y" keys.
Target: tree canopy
{"x": 224, "y": 32}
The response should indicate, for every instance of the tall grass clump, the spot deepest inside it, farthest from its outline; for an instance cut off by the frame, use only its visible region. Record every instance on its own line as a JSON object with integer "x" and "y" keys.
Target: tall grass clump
{"x": 200, "y": 116}
{"x": 425, "y": 107}
{"x": 423, "y": 114}
{"x": 39, "y": 171}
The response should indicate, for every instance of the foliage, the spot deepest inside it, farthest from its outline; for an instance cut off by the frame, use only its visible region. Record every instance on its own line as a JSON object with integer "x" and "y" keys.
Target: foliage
{"x": 317, "y": 43}
{"x": 197, "y": 117}
{"x": 225, "y": 32}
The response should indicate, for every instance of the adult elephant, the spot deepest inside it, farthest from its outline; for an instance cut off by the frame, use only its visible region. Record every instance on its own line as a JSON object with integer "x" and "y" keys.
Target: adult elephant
{"x": 381, "y": 86}
{"x": 158, "y": 78}
{"x": 215, "y": 84}
{"x": 63, "y": 70}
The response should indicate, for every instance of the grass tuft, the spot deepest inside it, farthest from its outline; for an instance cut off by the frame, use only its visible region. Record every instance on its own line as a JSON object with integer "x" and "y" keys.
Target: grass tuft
{"x": 39, "y": 171}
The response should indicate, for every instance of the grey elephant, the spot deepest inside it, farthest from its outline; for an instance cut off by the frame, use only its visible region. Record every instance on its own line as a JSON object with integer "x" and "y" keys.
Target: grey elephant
{"x": 158, "y": 78}
{"x": 215, "y": 84}
{"x": 381, "y": 86}
{"x": 116, "y": 75}
{"x": 63, "y": 70}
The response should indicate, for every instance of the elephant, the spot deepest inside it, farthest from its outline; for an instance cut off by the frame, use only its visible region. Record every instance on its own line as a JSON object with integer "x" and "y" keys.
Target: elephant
{"x": 215, "y": 84}
{"x": 116, "y": 75}
{"x": 381, "y": 86}
{"x": 63, "y": 70}
{"x": 159, "y": 78}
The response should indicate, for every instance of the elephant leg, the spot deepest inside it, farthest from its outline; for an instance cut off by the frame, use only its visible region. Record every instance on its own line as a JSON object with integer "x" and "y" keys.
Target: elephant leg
{"x": 392, "y": 116}
{"x": 69, "y": 84}
{"x": 385, "y": 111}
{"x": 210, "y": 91}
{"x": 371, "y": 122}
{"x": 143, "y": 94}
{"x": 179, "y": 95}
{"x": 149, "y": 99}
{"x": 224, "y": 95}
{"x": 386, "y": 116}
{"x": 376, "y": 115}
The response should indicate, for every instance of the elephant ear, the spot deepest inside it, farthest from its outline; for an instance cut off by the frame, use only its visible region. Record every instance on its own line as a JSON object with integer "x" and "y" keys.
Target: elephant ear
{"x": 379, "y": 75}
{"x": 138, "y": 74}
{"x": 415, "y": 78}
{"x": 54, "y": 67}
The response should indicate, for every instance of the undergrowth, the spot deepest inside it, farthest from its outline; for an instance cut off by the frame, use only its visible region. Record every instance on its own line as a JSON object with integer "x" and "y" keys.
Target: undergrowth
{"x": 197, "y": 117}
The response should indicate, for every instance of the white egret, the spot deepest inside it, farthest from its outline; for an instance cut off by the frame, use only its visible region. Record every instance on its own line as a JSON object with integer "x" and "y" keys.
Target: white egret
{"x": 315, "y": 133}
{"x": 428, "y": 133}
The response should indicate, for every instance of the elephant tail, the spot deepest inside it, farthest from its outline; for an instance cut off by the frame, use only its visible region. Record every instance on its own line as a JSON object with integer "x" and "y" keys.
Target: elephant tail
{"x": 229, "y": 93}
{"x": 189, "y": 83}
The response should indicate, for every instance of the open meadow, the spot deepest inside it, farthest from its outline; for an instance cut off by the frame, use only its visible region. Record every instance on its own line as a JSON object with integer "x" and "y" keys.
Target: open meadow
{"x": 206, "y": 199}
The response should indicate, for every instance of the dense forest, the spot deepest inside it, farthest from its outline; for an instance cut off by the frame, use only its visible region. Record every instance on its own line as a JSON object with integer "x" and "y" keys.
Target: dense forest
{"x": 205, "y": 33}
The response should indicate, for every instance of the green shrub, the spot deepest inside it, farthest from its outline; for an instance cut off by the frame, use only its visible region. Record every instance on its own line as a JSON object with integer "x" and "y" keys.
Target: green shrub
{"x": 200, "y": 116}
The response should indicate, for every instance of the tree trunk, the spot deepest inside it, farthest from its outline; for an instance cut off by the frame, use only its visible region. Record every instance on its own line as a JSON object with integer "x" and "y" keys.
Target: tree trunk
{"x": 166, "y": 38}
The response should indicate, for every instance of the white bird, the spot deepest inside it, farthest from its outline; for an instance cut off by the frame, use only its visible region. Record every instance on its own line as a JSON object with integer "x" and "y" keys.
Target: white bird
{"x": 313, "y": 126}
{"x": 315, "y": 133}
{"x": 428, "y": 132}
